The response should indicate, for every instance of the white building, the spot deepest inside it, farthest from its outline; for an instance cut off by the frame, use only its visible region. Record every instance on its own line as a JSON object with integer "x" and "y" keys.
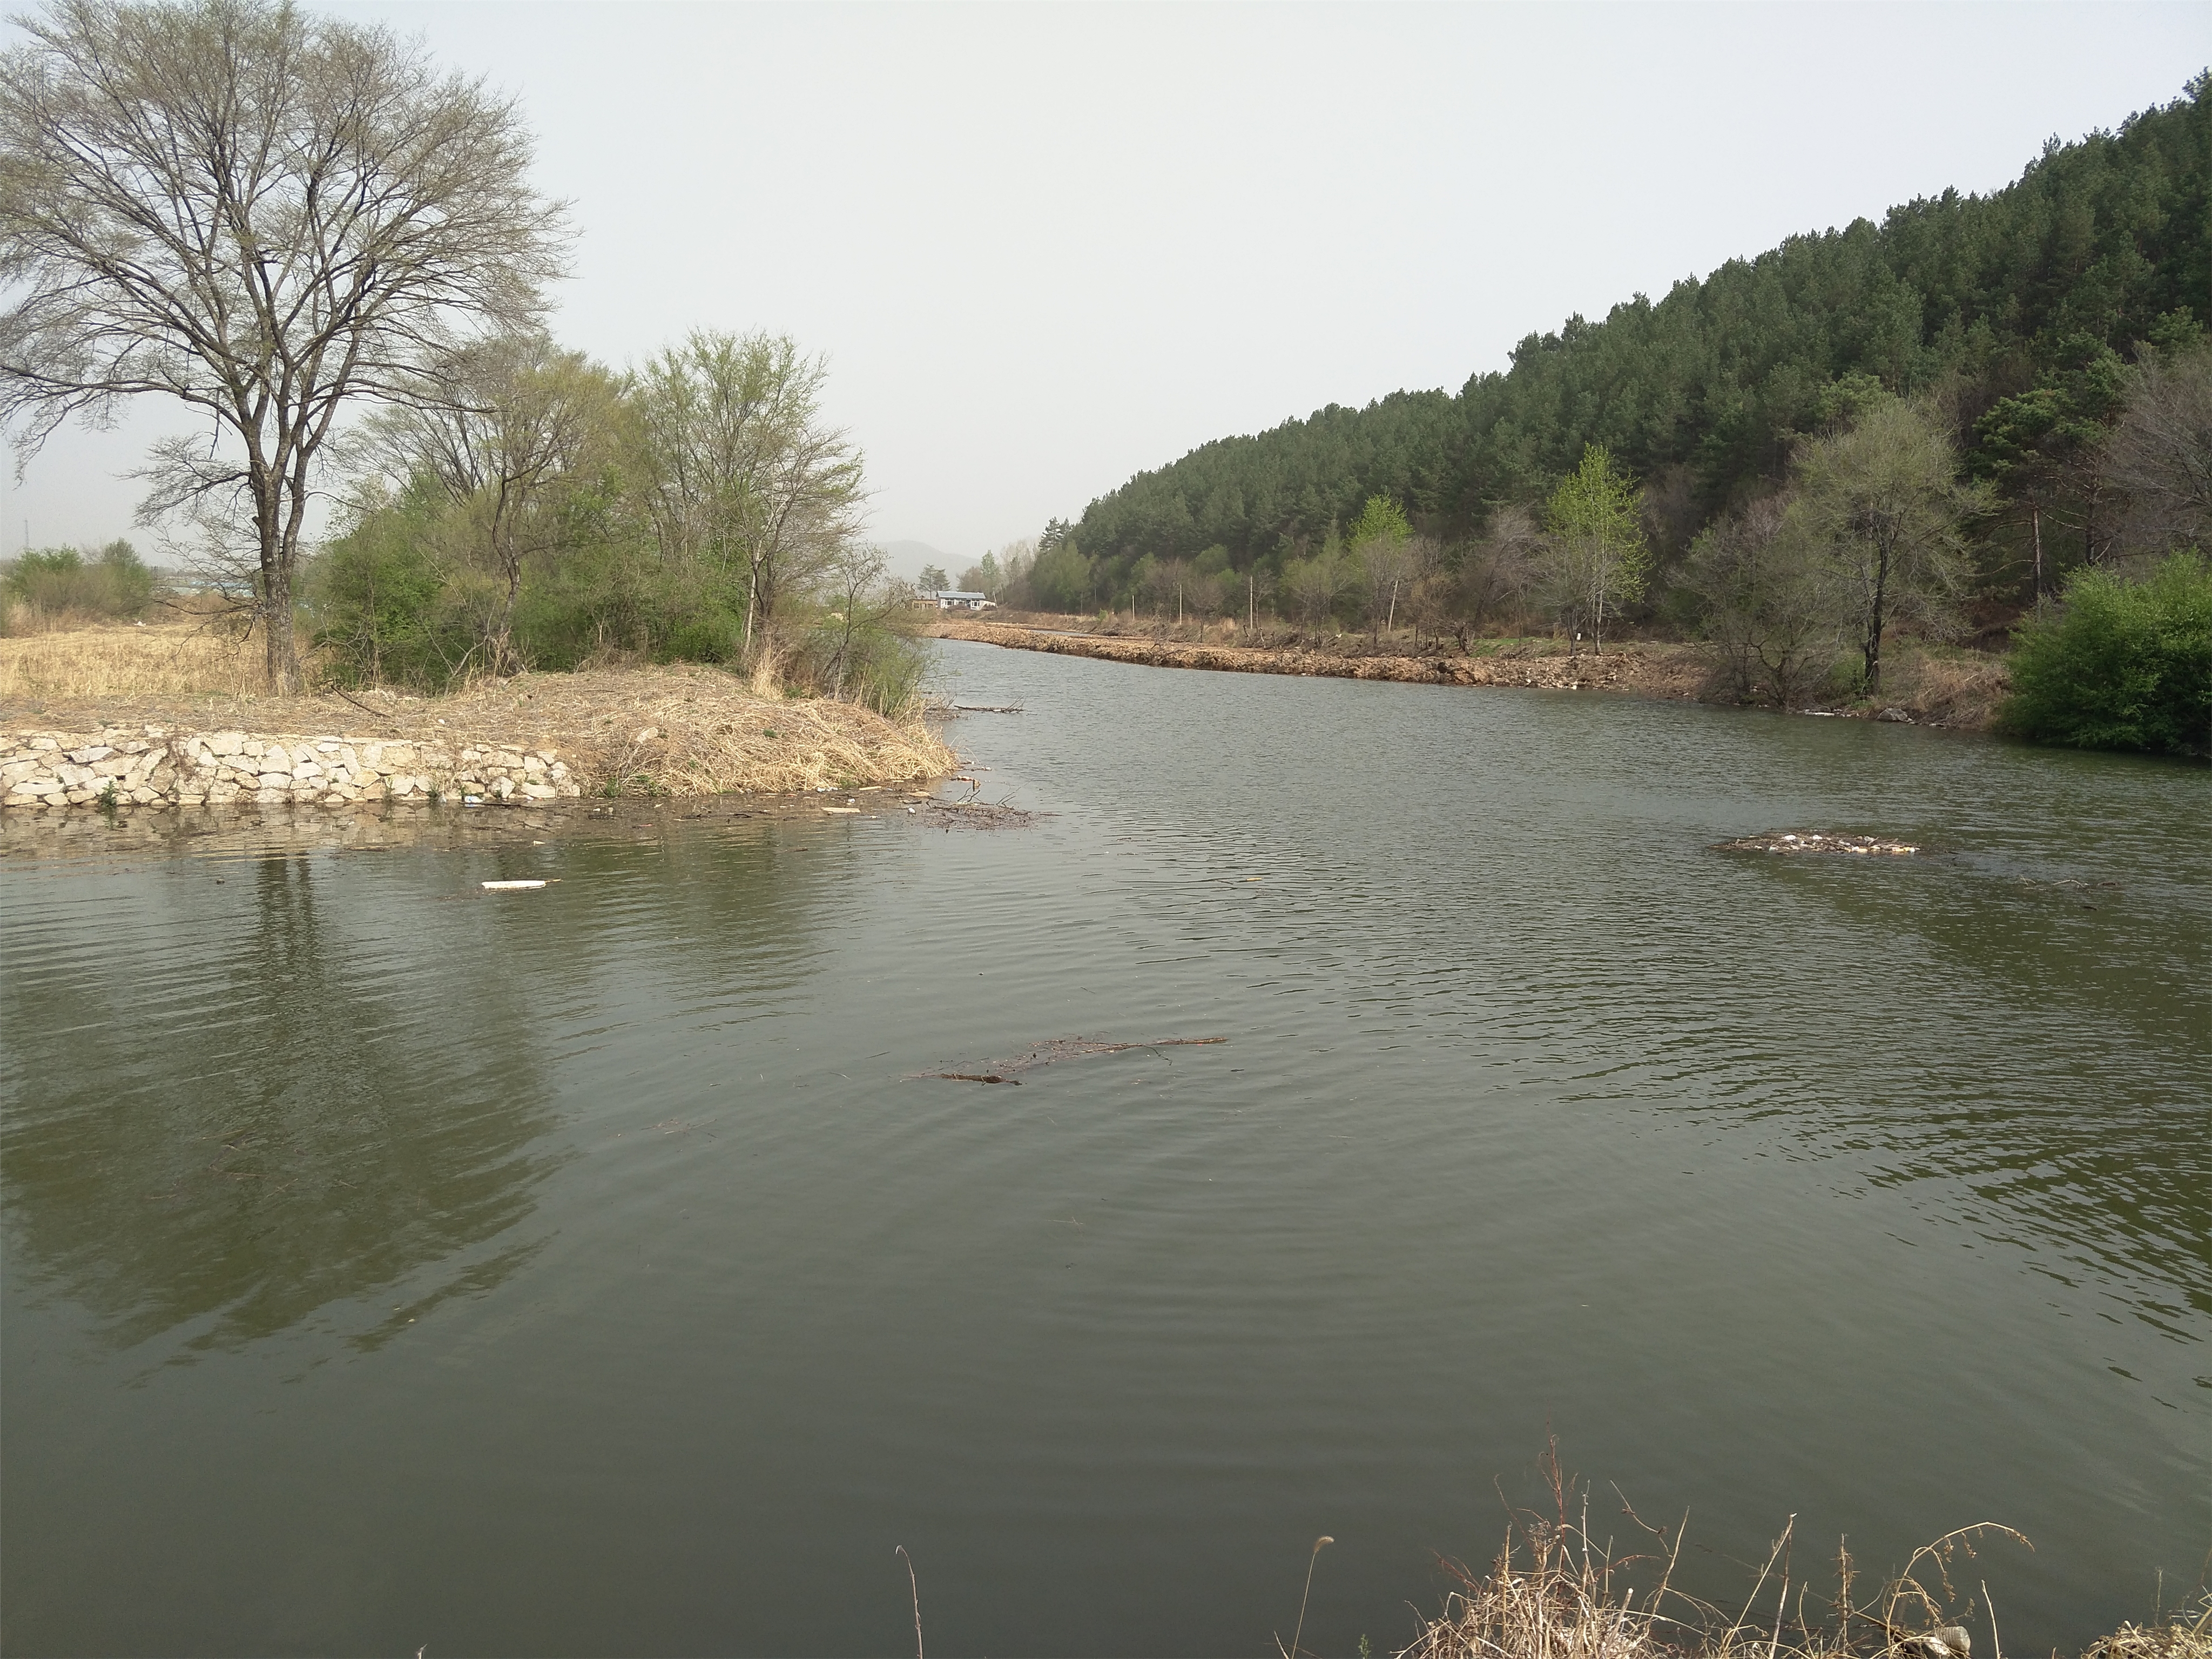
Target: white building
{"x": 953, "y": 599}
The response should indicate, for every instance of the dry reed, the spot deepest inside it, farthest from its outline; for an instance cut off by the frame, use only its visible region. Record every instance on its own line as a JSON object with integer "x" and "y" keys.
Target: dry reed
{"x": 128, "y": 660}
{"x": 1555, "y": 1592}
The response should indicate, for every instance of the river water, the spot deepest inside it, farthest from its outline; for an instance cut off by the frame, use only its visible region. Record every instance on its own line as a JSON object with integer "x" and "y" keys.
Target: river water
{"x": 588, "y": 1271}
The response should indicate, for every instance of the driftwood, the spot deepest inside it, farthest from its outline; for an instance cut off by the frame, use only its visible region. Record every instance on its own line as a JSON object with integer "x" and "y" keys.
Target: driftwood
{"x": 1053, "y": 1050}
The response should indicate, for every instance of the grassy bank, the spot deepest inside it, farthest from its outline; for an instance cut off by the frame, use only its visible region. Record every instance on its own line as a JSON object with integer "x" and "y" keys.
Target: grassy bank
{"x": 1958, "y": 688}
{"x": 653, "y": 731}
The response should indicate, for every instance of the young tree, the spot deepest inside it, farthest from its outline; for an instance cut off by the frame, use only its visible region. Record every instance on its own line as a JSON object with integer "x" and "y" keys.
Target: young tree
{"x": 743, "y": 479}
{"x": 1767, "y": 605}
{"x": 933, "y": 579}
{"x": 1886, "y": 502}
{"x": 1380, "y": 540}
{"x": 1594, "y": 559}
{"x": 267, "y": 214}
{"x": 1313, "y": 586}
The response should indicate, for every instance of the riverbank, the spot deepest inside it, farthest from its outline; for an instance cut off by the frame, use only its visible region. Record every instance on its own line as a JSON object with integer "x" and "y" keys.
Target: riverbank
{"x": 1922, "y": 689}
{"x": 192, "y": 736}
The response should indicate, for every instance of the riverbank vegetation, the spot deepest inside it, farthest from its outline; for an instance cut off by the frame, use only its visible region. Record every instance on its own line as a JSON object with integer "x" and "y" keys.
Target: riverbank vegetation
{"x": 366, "y": 320}
{"x": 1918, "y": 429}
{"x": 696, "y": 509}
{"x": 46, "y": 589}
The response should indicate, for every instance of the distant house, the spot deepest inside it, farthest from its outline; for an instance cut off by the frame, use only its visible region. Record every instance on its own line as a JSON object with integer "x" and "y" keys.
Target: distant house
{"x": 953, "y": 599}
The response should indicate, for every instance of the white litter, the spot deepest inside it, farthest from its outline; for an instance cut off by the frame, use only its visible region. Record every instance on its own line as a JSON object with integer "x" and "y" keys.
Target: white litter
{"x": 511, "y": 886}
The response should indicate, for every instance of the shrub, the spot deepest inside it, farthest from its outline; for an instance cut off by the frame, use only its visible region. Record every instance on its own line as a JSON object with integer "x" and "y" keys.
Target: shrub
{"x": 385, "y": 610}
{"x": 59, "y": 583}
{"x": 2120, "y": 665}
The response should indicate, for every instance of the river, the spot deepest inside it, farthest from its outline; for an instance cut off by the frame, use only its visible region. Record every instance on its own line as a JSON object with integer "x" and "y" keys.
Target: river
{"x": 596, "y": 1270}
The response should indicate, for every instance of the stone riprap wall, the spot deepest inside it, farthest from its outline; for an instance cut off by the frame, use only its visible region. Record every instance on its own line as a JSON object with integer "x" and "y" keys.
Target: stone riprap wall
{"x": 152, "y": 766}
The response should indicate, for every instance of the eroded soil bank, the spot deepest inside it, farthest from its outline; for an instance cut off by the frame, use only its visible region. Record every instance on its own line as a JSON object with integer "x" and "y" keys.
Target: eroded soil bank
{"x": 1923, "y": 689}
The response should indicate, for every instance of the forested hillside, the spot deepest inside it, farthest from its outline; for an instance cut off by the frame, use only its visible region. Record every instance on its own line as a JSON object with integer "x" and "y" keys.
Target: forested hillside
{"x": 2017, "y": 314}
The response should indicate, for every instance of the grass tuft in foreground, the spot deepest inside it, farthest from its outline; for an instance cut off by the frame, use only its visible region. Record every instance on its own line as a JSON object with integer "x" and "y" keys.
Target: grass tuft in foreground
{"x": 1554, "y": 1593}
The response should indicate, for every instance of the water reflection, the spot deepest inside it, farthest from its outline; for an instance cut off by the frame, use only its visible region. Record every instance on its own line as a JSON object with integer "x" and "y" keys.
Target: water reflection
{"x": 319, "y": 1086}
{"x": 257, "y": 1104}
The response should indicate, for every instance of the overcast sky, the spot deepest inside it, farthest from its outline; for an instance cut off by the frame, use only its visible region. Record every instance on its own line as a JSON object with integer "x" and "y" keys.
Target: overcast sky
{"x": 1045, "y": 247}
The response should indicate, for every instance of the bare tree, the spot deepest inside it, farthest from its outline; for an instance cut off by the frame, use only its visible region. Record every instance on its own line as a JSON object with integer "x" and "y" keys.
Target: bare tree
{"x": 1498, "y": 571}
{"x": 745, "y": 479}
{"x": 1314, "y": 586}
{"x": 1769, "y": 606}
{"x": 264, "y": 214}
{"x": 2158, "y": 456}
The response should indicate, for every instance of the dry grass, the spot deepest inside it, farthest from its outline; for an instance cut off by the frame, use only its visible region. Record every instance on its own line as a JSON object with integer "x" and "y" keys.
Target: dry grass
{"x": 688, "y": 731}
{"x": 1946, "y": 687}
{"x": 674, "y": 730}
{"x": 1555, "y": 1592}
{"x": 2186, "y": 1635}
{"x": 124, "y": 660}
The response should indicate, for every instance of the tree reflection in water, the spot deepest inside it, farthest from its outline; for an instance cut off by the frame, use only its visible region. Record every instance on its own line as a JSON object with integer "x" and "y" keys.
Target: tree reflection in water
{"x": 232, "y": 1118}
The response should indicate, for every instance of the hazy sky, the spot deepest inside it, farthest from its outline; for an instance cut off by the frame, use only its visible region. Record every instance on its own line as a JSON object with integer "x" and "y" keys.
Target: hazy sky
{"x": 1047, "y": 246}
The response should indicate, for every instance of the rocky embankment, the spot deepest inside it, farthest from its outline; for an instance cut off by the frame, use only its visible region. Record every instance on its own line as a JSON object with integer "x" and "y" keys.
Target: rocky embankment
{"x": 152, "y": 766}
{"x": 1663, "y": 672}
{"x": 681, "y": 731}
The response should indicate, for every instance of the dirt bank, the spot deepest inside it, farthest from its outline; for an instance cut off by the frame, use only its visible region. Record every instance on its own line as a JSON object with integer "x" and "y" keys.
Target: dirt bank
{"x": 1958, "y": 689}
{"x": 671, "y": 731}
{"x": 1642, "y": 669}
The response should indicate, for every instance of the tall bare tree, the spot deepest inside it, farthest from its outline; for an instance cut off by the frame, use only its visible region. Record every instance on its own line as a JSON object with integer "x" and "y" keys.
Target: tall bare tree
{"x": 264, "y": 213}
{"x": 2158, "y": 456}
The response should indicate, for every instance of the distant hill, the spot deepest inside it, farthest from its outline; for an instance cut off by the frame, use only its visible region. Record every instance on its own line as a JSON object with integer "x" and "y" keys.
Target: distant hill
{"x": 2035, "y": 294}
{"x": 908, "y": 558}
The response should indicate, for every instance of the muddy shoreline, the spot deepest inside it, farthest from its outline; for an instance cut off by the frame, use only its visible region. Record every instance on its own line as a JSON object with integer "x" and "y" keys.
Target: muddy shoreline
{"x": 1923, "y": 689}
{"x": 1673, "y": 672}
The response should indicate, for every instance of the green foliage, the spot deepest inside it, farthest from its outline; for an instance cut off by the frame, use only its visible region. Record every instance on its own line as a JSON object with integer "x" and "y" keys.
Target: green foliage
{"x": 1381, "y": 520}
{"x": 1062, "y": 580}
{"x": 114, "y": 583}
{"x": 2098, "y": 245}
{"x": 2120, "y": 665}
{"x": 1884, "y": 498}
{"x": 1595, "y": 558}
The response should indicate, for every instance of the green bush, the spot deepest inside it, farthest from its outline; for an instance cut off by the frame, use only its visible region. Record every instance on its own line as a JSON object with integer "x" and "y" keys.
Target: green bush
{"x": 2119, "y": 664}
{"x": 385, "y": 609}
{"x": 60, "y": 581}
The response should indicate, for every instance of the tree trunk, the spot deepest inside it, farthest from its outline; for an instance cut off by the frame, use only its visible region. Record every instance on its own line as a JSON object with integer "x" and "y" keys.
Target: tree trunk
{"x": 281, "y": 651}
{"x": 1874, "y": 621}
